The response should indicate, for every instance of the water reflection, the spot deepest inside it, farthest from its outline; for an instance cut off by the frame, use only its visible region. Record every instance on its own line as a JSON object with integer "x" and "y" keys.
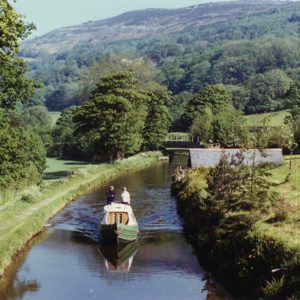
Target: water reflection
{"x": 118, "y": 257}
{"x": 11, "y": 285}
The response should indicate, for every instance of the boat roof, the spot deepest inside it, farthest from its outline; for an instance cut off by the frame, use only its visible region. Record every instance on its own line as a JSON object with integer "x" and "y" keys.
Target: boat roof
{"x": 117, "y": 207}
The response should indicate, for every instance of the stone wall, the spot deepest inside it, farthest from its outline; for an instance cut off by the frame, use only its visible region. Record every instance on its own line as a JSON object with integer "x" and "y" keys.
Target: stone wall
{"x": 211, "y": 157}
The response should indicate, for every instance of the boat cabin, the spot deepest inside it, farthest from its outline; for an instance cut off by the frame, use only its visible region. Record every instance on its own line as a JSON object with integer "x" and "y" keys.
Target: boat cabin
{"x": 117, "y": 217}
{"x": 118, "y": 213}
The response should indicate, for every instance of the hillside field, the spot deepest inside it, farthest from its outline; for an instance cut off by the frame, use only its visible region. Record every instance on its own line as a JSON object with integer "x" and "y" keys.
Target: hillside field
{"x": 270, "y": 119}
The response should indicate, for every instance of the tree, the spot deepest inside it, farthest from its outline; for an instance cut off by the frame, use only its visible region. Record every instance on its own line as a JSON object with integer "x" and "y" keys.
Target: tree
{"x": 281, "y": 137}
{"x": 14, "y": 85}
{"x": 203, "y": 126}
{"x": 226, "y": 127}
{"x": 229, "y": 129}
{"x": 233, "y": 186}
{"x": 38, "y": 119}
{"x": 22, "y": 155}
{"x": 268, "y": 91}
{"x": 158, "y": 118}
{"x": 65, "y": 144}
{"x": 240, "y": 96}
{"x": 63, "y": 96}
{"x": 114, "y": 116}
{"x": 213, "y": 96}
{"x": 177, "y": 108}
{"x": 293, "y": 95}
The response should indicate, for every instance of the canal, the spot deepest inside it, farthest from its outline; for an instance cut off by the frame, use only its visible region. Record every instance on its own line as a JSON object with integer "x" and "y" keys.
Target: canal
{"x": 66, "y": 262}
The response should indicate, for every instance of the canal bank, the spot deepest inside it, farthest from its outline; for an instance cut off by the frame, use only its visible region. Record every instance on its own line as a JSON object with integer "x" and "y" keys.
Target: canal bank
{"x": 24, "y": 218}
{"x": 253, "y": 254}
{"x": 67, "y": 262}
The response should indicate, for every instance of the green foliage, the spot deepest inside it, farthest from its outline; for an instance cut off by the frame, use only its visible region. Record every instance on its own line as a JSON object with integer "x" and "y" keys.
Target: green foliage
{"x": 223, "y": 208}
{"x": 14, "y": 86}
{"x": 211, "y": 116}
{"x": 235, "y": 187}
{"x": 229, "y": 129}
{"x": 240, "y": 96}
{"x": 203, "y": 125}
{"x": 293, "y": 96}
{"x": 177, "y": 108}
{"x": 38, "y": 119}
{"x": 158, "y": 118}
{"x": 64, "y": 95}
{"x": 114, "y": 116}
{"x": 212, "y": 96}
{"x": 281, "y": 137}
{"x": 268, "y": 91}
{"x": 22, "y": 155}
{"x": 65, "y": 144}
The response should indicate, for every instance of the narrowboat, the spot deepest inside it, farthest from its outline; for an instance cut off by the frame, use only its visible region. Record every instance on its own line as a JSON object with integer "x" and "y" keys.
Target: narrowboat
{"x": 118, "y": 224}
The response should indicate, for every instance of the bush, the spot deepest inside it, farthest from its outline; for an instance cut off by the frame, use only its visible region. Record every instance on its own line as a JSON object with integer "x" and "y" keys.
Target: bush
{"x": 28, "y": 198}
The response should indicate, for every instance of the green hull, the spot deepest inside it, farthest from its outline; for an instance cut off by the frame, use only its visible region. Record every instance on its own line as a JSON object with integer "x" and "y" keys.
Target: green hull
{"x": 127, "y": 232}
{"x": 119, "y": 233}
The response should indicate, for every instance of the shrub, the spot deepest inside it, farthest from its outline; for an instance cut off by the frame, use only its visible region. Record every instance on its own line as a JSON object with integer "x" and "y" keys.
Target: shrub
{"x": 28, "y": 198}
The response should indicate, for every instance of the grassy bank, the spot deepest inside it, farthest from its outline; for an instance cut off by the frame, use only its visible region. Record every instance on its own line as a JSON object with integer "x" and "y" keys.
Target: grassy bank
{"x": 23, "y": 218}
{"x": 263, "y": 259}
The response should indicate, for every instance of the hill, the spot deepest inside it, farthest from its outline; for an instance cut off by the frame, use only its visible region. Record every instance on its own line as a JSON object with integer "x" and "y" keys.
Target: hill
{"x": 251, "y": 47}
{"x": 147, "y": 24}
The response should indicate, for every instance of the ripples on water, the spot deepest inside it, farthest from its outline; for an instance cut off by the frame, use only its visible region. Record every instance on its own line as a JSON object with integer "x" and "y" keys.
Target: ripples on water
{"x": 69, "y": 264}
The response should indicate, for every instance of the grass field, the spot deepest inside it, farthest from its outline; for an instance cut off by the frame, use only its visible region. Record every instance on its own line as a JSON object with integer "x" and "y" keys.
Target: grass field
{"x": 58, "y": 168}
{"x": 55, "y": 115}
{"x": 273, "y": 119}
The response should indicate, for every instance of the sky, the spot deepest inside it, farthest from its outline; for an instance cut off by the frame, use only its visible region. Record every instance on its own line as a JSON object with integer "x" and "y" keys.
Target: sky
{"x": 48, "y": 15}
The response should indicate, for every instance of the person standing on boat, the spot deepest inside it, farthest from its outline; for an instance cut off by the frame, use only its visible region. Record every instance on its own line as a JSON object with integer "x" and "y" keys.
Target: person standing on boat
{"x": 125, "y": 196}
{"x": 110, "y": 195}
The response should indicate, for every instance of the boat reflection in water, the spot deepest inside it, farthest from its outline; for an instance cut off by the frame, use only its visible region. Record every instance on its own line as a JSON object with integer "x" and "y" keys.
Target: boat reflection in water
{"x": 118, "y": 257}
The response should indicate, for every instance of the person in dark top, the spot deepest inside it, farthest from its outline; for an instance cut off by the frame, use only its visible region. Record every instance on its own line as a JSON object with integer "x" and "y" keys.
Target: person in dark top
{"x": 110, "y": 195}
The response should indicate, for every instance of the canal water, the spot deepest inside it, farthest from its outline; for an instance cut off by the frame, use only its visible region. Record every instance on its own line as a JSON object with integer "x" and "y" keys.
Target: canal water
{"x": 66, "y": 262}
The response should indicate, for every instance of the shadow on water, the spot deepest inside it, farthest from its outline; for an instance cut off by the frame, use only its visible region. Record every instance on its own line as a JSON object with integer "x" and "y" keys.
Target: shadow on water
{"x": 70, "y": 264}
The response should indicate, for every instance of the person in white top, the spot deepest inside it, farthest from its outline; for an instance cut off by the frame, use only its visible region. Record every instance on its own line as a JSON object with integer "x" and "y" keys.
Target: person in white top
{"x": 125, "y": 196}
